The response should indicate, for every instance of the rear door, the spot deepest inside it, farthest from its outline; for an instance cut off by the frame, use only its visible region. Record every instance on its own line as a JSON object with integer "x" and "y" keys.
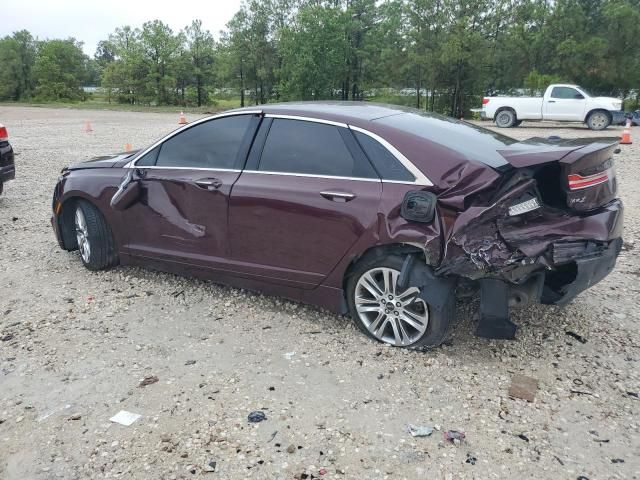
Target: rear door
{"x": 186, "y": 182}
{"x": 304, "y": 199}
{"x": 564, "y": 103}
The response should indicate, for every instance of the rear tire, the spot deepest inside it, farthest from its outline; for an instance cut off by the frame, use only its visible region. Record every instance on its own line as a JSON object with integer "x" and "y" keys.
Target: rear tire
{"x": 598, "y": 120}
{"x": 374, "y": 308}
{"x": 506, "y": 118}
{"x": 94, "y": 238}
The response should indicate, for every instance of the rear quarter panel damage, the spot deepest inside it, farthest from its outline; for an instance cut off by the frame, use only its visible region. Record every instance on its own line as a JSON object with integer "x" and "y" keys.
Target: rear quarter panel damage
{"x": 474, "y": 237}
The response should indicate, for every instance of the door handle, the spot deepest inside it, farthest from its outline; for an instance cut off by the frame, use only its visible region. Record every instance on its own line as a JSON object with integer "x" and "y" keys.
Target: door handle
{"x": 209, "y": 183}
{"x": 338, "y": 196}
{"x": 551, "y": 101}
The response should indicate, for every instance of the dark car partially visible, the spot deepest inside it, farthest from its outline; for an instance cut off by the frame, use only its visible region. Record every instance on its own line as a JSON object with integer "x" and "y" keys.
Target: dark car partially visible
{"x": 7, "y": 165}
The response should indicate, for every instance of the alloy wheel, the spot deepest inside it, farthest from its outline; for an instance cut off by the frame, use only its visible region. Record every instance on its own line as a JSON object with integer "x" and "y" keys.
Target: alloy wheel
{"x": 391, "y": 315}
{"x": 82, "y": 235}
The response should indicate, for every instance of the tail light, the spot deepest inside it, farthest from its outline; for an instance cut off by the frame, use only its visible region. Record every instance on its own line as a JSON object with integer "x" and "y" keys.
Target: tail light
{"x": 485, "y": 100}
{"x": 577, "y": 182}
{"x": 4, "y": 136}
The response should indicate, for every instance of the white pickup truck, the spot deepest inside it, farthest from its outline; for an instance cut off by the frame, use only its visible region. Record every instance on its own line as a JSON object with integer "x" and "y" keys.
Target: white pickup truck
{"x": 564, "y": 103}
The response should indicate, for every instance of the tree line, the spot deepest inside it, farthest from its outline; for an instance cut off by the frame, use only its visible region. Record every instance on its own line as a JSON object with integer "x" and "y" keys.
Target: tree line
{"x": 443, "y": 55}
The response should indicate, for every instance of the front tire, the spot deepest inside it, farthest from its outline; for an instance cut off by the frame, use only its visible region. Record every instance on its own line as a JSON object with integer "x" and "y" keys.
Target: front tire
{"x": 93, "y": 236}
{"x": 506, "y": 118}
{"x": 598, "y": 120}
{"x": 389, "y": 315}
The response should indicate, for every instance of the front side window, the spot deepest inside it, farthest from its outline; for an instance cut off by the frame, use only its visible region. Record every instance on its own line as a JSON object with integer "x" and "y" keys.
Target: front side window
{"x": 302, "y": 147}
{"x": 149, "y": 158}
{"x": 212, "y": 144}
{"x": 566, "y": 93}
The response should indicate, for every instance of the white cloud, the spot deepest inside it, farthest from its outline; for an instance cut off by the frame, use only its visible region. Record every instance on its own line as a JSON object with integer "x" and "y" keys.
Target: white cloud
{"x": 91, "y": 21}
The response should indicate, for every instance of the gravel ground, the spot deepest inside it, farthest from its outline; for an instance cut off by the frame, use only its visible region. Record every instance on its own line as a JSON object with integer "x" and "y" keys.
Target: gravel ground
{"x": 75, "y": 345}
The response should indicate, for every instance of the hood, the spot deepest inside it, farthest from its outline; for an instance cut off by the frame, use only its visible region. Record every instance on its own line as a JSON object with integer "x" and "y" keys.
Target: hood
{"x": 537, "y": 150}
{"x": 616, "y": 103}
{"x": 105, "y": 161}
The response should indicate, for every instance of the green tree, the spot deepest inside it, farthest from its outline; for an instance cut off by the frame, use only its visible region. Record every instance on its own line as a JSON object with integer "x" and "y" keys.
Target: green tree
{"x": 17, "y": 57}
{"x": 160, "y": 48}
{"x": 200, "y": 54}
{"x": 60, "y": 70}
{"x": 313, "y": 54}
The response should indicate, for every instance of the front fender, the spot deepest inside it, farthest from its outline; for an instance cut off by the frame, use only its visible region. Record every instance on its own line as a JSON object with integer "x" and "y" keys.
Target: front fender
{"x": 96, "y": 186}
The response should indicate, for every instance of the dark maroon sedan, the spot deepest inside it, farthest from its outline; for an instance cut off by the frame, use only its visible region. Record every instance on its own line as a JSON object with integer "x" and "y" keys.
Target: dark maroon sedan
{"x": 389, "y": 214}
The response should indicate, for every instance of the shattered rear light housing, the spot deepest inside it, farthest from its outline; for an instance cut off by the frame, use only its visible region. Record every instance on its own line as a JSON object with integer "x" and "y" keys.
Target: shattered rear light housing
{"x": 4, "y": 136}
{"x": 485, "y": 100}
{"x": 577, "y": 182}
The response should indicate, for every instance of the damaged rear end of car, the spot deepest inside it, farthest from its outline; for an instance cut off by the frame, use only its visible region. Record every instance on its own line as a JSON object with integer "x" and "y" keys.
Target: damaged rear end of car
{"x": 545, "y": 226}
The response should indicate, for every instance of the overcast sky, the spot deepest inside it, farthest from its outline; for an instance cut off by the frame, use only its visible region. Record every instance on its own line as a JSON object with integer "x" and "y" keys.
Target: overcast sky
{"x": 90, "y": 21}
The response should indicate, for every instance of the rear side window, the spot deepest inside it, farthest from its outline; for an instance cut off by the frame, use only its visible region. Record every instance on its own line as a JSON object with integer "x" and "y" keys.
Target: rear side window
{"x": 213, "y": 144}
{"x": 387, "y": 165}
{"x": 296, "y": 146}
{"x": 566, "y": 93}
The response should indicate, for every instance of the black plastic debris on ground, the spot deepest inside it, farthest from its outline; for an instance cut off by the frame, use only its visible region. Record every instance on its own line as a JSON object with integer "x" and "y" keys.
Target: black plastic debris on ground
{"x": 579, "y": 338}
{"x": 471, "y": 459}
{"x": 257, "y": 416}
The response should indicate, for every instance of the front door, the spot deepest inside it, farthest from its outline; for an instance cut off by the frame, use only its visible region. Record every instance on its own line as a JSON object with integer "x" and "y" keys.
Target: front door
{"x": 186, "y": 181}
{"x": 294, "y": 215}
{"x": 564, "y": 103}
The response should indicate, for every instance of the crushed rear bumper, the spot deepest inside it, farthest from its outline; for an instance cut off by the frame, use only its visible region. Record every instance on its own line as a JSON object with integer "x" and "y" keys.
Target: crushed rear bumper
{"x": 590, "y": 263}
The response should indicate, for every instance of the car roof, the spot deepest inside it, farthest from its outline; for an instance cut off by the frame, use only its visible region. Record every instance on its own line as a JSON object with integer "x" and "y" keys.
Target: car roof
{"x": 467, "y": 140}
{"x": 355, "y": 113}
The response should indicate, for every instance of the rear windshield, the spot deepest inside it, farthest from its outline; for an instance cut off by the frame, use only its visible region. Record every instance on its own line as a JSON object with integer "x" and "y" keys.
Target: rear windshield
{"x": 475, "y": 143}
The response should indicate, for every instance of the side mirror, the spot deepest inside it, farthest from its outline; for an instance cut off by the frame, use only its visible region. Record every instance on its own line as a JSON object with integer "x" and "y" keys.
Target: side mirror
{"x": 419, "y": 206}
{"x": 127, "y": 194}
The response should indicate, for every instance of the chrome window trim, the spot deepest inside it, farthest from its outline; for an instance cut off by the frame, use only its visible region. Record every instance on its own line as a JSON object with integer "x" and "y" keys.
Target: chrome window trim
{"x": 420, "y": 178}
{"x": 231, "y": 113}
{"x": 306, "y": 119}
{"x": 311, "y": 175}
{"x": 153, "y": 167}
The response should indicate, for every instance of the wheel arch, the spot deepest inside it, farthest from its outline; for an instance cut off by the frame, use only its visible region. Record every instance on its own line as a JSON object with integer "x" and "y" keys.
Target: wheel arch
{"x": 502, "y": 109}
{"x": 66, "y": 217}
{"x": 377, "y": 251}
{"x": 598, "y": 109}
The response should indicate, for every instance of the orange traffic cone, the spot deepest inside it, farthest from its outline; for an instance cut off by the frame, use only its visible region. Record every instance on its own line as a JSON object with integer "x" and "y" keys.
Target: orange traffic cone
{"x": 87, "y": 127}
{"x": 183, "y": 119}
{"x": 626, "y": 134}
{"x": 127, "y": 147}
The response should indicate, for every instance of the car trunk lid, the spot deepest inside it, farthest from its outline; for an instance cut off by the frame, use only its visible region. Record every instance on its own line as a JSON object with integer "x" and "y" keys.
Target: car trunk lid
{"x": 577, "y": 174}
